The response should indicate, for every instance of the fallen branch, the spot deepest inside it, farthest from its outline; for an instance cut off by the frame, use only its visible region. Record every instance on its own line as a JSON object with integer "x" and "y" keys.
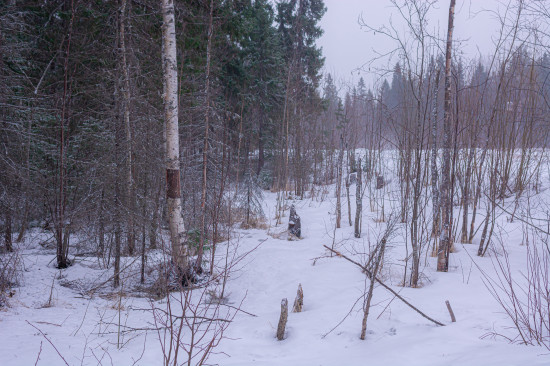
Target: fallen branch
{"x": 384, "y": 285}
{"x": 53, "y": 345}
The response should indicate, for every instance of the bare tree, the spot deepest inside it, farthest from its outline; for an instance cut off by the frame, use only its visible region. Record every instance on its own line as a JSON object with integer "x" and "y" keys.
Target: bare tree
{"x": 435, "y": 178}
{"x": 130, "y": 201}
{"x": 340, "y": 171}
{"x": 446, "y": 204}
{"x": 358, "y": 199}
{"x": 206, "y": 144}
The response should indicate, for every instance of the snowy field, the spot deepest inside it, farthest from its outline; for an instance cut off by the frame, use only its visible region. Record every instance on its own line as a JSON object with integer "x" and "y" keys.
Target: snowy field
{"x": 53, "y": 308}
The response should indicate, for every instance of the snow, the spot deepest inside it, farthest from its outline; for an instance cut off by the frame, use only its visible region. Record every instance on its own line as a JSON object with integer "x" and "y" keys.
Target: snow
{"x": 84, "y": 329}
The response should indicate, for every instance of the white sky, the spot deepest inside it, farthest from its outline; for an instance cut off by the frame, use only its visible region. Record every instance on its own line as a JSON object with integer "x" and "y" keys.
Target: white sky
{"x": 347, "y": 47}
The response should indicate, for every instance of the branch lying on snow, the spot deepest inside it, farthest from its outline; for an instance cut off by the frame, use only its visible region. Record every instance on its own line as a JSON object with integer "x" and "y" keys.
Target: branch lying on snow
{"x": 53, "y": 345}
{"x": 384, "y": 285}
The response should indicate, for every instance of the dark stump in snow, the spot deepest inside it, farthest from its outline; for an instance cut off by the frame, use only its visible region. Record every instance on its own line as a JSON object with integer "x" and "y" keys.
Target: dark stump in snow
{"x": 379, "y": 182}
{"x": 294, "y": 223}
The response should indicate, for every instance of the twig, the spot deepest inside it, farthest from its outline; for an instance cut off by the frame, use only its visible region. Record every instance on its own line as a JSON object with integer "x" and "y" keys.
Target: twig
{"x": 385, "y": 286}
{"x": 53, "y": 345}
{"x": 83, "y": 318}
{"x": 48, "y": 323}
{"x": 344, "y": 318}
{"x": 38, "y": 356}
{"x": 239, "y": 309}
{"x": 91, "y": 291}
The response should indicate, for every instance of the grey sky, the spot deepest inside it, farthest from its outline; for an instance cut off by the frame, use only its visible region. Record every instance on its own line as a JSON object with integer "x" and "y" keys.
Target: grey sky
{"x": 346, "y": 46}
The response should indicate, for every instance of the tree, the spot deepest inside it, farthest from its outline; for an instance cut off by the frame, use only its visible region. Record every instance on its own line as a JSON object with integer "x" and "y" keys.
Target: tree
{"x": 446, "y": 204}
{"x": 298, "y": 30}
{"x": 263, "y": 58}
{"x": 173, "y": 190}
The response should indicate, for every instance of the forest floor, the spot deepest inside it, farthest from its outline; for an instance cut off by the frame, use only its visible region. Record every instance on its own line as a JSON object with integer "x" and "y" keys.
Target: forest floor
{"x": 53, "y": 320}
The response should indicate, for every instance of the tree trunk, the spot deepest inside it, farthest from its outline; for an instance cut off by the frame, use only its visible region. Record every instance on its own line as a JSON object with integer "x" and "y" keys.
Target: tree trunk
{"x": 435, "y": 177}
{"x": 130, "y": 235}
{"x": 205, "y": 146}
{"x": 261, "y": 153}
{"x": 7, "y": 231}
{"x": 348, "y": 183}
{"x": 116, "y": 275}
{"x": 373, "y": 275}
{"x": 466, "y": 196}
{"x": 340, "y": 170}
{"x": 173, "y": 190}
{"x": 358, "y": 199}
{"x": 101, "y": 234}
{"x": 143, "y": 234}
{"x": 155, "y": 221}
{"x": 62, "y": 250}
{"x": 446, "y": 204}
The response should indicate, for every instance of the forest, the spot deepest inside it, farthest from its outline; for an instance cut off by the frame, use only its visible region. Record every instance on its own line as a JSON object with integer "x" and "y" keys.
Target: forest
{"x": 173, "y": 173}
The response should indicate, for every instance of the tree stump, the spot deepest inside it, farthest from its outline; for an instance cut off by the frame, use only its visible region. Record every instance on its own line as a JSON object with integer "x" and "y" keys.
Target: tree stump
{"x": 282, "y": 320}
{"x": 294, "y": 223}
{"x": 299, "y": 301}
{"x": 379, "y": 182}
{"x": 451, "y": 313}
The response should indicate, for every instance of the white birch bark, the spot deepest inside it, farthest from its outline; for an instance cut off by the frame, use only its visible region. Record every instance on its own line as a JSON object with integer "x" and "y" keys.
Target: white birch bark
{"x": 170, "y": 73}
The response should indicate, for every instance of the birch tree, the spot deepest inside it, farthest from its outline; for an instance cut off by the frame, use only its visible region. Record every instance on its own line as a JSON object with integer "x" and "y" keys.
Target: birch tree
{"x": 173, "y": 191}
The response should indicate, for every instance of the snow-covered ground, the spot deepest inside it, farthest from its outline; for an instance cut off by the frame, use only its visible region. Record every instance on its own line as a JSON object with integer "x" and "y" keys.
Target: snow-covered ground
{"x": 51, "y": 305}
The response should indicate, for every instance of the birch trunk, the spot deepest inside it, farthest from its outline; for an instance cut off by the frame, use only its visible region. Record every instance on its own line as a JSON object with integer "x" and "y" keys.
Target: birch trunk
{"x": 173, "y": 190}
{"x": 446, "y": 206}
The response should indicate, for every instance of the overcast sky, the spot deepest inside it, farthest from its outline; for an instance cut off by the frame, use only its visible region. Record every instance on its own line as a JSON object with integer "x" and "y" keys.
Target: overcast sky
{"x": 347, "y": 46}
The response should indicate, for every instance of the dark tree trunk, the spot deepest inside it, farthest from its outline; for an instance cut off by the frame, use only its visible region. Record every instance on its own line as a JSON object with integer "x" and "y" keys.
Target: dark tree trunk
{"x": 261, "y": 153}
{"x": 7, "y": 232}
{"x": 446, "y": 204}
{"x": 358, "y": 200}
